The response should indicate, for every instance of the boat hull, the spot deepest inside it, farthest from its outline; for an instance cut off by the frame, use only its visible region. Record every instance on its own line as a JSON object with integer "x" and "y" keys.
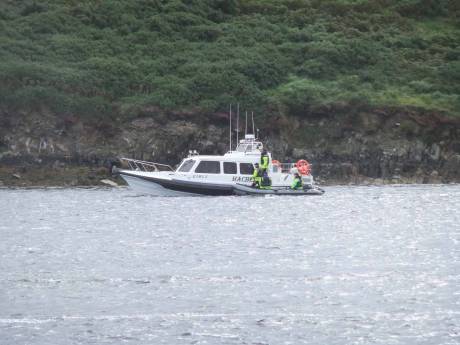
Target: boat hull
{"x": 172, "y": 187}
{"x": 165, "y": 184}
{"x": 247, "y": 190}
{"x": 143, "y": 186}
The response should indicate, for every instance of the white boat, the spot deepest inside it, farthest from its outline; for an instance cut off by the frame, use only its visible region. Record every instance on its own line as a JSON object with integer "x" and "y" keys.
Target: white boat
{"x": 211, "y": 174}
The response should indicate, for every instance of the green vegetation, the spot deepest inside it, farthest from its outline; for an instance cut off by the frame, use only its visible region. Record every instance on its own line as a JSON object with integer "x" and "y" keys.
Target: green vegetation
{"x": 121, "y": 58}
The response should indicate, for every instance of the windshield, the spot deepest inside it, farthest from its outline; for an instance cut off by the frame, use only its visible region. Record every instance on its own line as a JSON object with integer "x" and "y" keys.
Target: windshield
{"x": 187, "y": 165}
{"x": 245, "y": 148}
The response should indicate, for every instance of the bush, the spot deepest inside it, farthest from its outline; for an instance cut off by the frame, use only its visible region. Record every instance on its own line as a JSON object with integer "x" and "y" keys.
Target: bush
{"x": 93, "y": 58}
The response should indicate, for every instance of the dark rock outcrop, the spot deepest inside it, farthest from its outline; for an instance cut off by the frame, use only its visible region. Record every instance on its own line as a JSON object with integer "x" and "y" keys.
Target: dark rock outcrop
{"x": 344, "y": 146}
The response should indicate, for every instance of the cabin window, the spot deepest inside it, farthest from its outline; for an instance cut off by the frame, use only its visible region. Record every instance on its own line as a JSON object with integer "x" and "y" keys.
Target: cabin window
{"x": 208, "y": 167}
{"x": 187, "y": 165}
{"x": 246, "y": 168}
{"x": 241, "y": 148}
{"x": 230, "y": 168}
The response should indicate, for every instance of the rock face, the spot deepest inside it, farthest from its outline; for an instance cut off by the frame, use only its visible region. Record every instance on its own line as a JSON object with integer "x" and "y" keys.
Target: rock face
{"x": 390, "y": 146}
{"x": 378, "y": 146}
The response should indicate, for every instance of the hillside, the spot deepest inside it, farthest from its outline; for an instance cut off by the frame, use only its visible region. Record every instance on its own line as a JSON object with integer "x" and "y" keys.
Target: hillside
{"x": 104, "y": 64}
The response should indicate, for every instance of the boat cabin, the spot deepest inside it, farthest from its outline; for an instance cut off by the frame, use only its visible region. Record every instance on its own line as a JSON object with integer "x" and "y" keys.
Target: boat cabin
{"x": 238, "y": 162}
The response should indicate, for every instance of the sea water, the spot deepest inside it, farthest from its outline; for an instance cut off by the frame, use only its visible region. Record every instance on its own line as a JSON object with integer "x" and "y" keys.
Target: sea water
{"x": 358, "y": 265}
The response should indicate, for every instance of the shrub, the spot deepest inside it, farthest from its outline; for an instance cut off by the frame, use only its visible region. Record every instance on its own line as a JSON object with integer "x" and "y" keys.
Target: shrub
{"x": 94, "y": 58}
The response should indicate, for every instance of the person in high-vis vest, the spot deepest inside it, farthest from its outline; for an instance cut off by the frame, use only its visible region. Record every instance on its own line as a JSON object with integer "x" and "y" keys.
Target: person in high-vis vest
{"x": 256, "y": 176}
{"x": 297, "y": 183}
{"x": 264, "y": 161}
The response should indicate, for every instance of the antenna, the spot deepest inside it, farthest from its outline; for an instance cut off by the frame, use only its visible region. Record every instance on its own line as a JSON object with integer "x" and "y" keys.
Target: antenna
{"x": 237, "y": 123}
{"x": 230, "y": 130}
{"x": 246, "y": 126}
{"x": 252, "y": 115}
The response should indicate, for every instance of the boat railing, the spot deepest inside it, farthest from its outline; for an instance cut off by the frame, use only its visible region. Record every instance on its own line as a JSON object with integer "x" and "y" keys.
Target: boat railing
{"x": 138, "y": 165}
{"x": 285, "y": 168}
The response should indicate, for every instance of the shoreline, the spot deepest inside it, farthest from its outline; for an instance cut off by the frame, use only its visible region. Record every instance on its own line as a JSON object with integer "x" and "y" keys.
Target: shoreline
{"x": 77, "y": 175}
{"x": 13, "y": 176}
{"x": 125, "y": 186}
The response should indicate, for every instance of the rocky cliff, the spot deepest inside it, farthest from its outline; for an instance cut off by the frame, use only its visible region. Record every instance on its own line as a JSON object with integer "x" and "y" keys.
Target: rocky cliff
{"x": 344, "y": 145}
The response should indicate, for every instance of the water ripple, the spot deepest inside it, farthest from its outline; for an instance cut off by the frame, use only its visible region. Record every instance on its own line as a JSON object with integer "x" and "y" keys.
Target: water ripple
{"x": 359, "y": 265}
